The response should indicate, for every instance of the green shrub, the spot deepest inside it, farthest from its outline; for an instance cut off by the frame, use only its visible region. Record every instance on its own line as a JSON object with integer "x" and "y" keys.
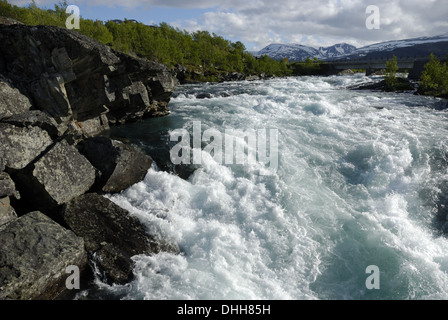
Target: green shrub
{"x": 391, "y": 71}
{"x": 434, "y": 79}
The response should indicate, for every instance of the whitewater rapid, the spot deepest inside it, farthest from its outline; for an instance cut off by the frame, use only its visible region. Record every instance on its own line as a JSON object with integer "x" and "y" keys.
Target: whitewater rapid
{"x": 360, "y": 181}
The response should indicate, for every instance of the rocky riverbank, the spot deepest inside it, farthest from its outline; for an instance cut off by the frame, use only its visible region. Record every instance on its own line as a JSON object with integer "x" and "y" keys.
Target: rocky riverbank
{"x": 192, "y": 76}
{"x": 409, "y": 84}
{"x": 59, "y": 90}
{"x": 403, "y": 85}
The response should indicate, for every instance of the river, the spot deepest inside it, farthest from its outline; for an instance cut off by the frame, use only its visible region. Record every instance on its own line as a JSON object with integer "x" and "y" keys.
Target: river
{"x": 360, "y": 179}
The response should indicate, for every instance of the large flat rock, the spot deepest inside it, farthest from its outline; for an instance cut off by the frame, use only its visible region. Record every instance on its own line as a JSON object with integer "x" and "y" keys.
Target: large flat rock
{"x": 20, "y": 146}
{"x": 35, "y": 252}
{"x": 57, "y": 177}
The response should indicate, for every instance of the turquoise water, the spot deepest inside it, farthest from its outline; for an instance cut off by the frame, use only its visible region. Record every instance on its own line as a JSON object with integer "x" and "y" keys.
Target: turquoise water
{"x": 360, "y": 182}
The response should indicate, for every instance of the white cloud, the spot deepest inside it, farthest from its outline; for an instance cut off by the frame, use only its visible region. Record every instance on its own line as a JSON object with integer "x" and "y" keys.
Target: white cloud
{"x": 319, "y": 22}
{"x": 312, "y": 22}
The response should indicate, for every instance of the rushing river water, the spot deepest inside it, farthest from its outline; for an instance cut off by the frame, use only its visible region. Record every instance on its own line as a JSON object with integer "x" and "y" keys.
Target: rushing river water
{"x": 361, "y": 181}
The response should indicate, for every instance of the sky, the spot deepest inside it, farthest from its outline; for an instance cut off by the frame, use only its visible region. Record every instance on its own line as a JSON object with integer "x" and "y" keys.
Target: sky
{"x": 258, "y": 23}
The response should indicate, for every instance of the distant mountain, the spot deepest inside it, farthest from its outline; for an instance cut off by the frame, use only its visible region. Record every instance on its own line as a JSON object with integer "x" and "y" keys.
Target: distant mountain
{"x": 416, "y": 47}
{"x": 336, "y": 51}
{"x": 297, "y": 52}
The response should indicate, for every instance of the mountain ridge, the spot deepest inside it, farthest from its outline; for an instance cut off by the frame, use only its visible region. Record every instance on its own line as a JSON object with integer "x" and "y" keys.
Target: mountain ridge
{"x": 298, "y": 52}
{"x": 420, "y": 46}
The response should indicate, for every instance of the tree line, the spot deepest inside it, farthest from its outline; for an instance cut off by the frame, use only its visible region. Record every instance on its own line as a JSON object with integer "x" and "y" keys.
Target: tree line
{"x": 204, "y": 55}
{"x": 200, "y": 52}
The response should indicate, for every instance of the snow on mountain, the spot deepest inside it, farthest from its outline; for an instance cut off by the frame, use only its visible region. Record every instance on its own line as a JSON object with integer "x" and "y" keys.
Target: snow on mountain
{"x": 297, "y": 52}
{"x": 422, "y": 46}
{"x": 397, "y": 44}
{"x": 291, "y": 51}
{"x": 338, "y": 50}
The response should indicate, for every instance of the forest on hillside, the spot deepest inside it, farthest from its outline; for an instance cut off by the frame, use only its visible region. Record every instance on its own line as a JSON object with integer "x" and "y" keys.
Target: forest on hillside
{"x": 201, "y": 53}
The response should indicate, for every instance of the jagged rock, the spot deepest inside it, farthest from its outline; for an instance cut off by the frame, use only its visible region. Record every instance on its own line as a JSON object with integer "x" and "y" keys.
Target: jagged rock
{"x": 347, "y": 72}
{"x": 8, "y": 21}
{"x": 120, "y": 165}
{"x": 7, "y": 190}
{"x": 379, "y": 73}
{"x": 7, "y": 186}
{"x": 35, "y": 252}
{"x": 57, "y": 177}
{"x": 36, "y": 118}
{"x": 11, "y": 100}
{"x": 20, "y": 146}
{"x": 234, "y": 76}
{"x": 204, "y": 95}
{"x": 75, "y": 78}
{"x": 112, "y": 236}
{"x": 401, "y": 85}
{"x": 93, "y": 127}
{"x": 181, "y": 73}
{"x": 7, "y": 212}
{"x": 375, "y": 72}
{"x": 253, "y": 78}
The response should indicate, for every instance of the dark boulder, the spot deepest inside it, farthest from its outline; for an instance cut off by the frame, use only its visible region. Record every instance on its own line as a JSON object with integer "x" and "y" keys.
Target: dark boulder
{"x": 120, "y": 165}
{"x": 402, "y": 85}
{"x": 57, "y": 177}
{"x": 112, "y": 236}
{"x": 181, "y": 73}
{"x": 204, "y": 95}
{"x": 375, "y": 72}
{"x": 76, "y": 78}
{"x": 237, "y": 76}
{"x": 253, "y": 78}
{"x": 34, "y": 256}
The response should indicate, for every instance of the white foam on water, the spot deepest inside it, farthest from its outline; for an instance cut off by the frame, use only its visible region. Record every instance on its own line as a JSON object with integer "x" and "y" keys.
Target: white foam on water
{"x": 347, "y": 194}
{"x": 235, "y": 238}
